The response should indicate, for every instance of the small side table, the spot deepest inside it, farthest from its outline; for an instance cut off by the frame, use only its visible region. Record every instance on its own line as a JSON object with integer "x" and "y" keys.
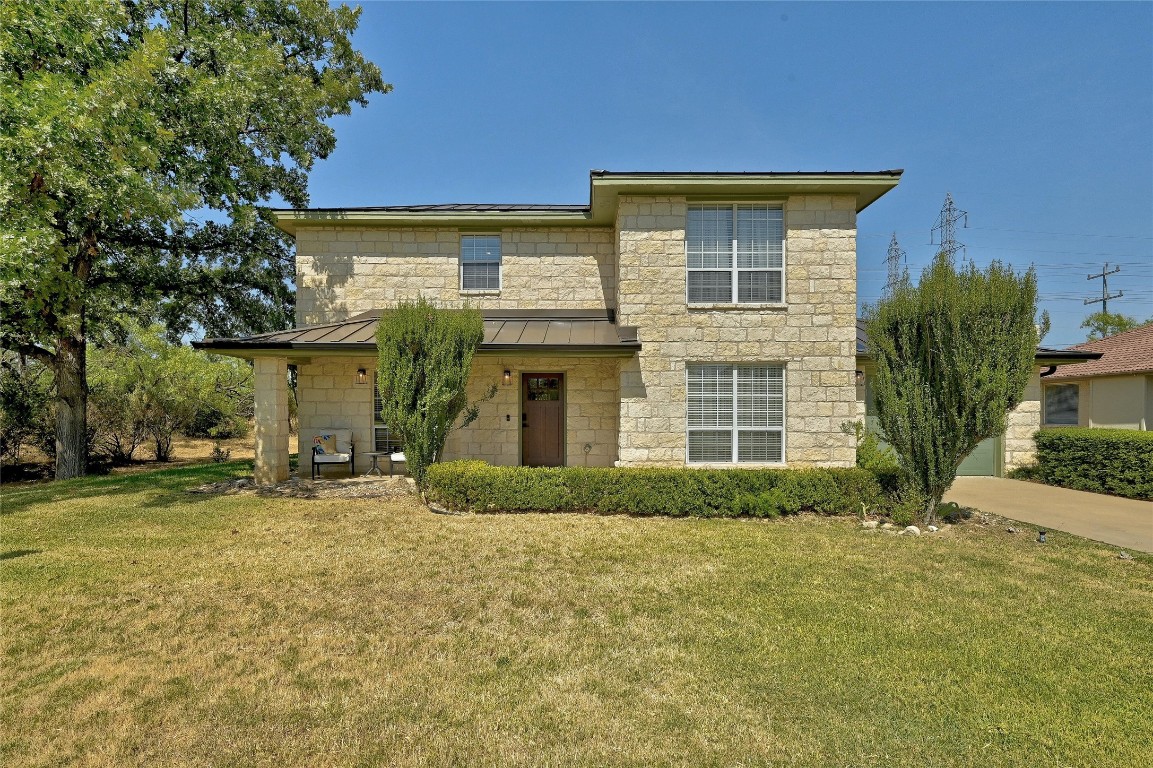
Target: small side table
{"x": 375, "y": 468}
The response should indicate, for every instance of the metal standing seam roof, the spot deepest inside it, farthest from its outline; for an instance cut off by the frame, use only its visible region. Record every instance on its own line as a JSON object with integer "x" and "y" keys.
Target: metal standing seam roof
{"x": 504, "y": 330}
{"x": 1044, "y": 355}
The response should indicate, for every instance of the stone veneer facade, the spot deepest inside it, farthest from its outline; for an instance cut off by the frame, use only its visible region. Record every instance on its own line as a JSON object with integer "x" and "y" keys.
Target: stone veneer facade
{"x": 342, "y": 271}
{"x": 627, "y": 411}
{"x": 813, "y": 333}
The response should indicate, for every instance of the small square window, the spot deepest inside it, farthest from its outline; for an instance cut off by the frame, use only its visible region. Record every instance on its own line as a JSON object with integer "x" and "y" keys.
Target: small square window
{"x": 480, "y": 262}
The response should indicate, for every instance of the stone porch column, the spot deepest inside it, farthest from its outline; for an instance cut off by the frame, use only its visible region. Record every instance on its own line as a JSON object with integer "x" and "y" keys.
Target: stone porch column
{"x": 271, "y": 412}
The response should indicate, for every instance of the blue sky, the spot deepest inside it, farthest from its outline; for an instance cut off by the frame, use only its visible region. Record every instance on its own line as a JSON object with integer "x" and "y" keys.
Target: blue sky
{"x": 1037, "y": 117}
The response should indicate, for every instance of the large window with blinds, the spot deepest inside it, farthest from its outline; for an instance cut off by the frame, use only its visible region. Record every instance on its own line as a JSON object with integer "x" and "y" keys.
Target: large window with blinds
{"x": 736, "y": 414}
{"x": 480, "y": 262}
{"x": 382, "y": 439}
{"x": 735, "y": 254}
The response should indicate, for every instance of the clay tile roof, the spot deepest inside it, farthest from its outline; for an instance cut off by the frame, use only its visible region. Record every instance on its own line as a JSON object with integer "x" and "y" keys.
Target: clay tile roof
{"x": 1126, "y": 353}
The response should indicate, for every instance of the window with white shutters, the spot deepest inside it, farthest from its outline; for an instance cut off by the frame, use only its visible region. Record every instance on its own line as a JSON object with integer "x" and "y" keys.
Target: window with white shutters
{"x": 735, "y": 254}
{"x": 480, "y": 262}
{"x": 736, "y": 413}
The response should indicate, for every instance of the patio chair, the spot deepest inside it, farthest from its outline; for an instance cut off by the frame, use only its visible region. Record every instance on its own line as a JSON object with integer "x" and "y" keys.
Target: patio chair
{"x": 394, "y": 458}
{"x": 332, "y": 446}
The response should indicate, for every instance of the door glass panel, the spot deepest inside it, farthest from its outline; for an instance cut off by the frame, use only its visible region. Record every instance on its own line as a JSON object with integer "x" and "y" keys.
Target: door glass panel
{"x": 543, "y": 388}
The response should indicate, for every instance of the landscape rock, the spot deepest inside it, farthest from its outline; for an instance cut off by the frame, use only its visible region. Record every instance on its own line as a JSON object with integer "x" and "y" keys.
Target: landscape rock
{"x": 1124, "y": 556}
{"x": 933, "y": 529}
{"x": 870, "y": 524}
{"x": 888, "y": 527}
{"x": 1010, "y": 529}
{"x": 912, "y": 529}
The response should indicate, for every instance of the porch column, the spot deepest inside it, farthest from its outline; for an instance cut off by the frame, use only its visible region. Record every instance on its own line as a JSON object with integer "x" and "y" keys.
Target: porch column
{"x": 271, "y": 412}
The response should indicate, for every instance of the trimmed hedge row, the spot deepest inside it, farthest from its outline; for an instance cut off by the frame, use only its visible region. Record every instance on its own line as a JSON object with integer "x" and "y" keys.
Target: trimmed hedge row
{"x": 1116, "y": 461}
{"x": 677, "y": 492}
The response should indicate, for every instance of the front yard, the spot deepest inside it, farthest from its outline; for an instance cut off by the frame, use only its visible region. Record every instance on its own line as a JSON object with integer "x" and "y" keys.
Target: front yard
{"x": 143, "y": 625}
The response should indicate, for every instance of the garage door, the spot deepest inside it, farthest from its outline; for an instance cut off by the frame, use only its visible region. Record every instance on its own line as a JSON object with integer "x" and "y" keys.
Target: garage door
{"x": 983, "y": 459}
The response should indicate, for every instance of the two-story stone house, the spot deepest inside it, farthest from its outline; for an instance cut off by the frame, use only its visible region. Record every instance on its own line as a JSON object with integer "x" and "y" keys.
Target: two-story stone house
{"x": 706, "y": 319}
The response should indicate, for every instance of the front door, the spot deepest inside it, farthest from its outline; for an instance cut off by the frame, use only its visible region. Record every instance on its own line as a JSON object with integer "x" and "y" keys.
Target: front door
{"x": 542, "y": 419}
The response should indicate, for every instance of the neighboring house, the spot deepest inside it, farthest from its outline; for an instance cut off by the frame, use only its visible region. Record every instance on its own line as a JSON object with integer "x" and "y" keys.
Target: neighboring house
{"x": 705, "y": 319}
{"x": 997, "y": 455}
{"x": 1115, "y": 391}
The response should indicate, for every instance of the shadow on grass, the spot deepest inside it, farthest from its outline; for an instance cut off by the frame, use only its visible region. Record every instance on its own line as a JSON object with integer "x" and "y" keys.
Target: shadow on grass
{"x": 167, "y": 483}
{"x": 15, "y": 553}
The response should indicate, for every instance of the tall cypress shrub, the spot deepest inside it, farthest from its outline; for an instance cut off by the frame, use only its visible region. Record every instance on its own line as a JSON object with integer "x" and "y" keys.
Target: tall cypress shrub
{"x": 954, "y": 354}
{"x": 425, "y": 356}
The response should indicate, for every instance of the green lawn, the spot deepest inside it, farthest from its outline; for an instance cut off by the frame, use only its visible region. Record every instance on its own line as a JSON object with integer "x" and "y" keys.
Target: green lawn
{"x": 143, "y": 625}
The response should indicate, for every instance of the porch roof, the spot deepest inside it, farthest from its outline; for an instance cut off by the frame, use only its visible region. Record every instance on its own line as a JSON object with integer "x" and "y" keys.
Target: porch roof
{"x": 505, "y": 331}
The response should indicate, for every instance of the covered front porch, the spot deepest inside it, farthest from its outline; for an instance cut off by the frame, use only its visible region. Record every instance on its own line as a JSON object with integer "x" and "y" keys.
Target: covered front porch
{"x": 556, "y": 376}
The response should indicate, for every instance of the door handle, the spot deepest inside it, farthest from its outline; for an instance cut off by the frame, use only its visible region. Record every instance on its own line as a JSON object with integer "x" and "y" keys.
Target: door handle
{"x": 524, "y": 419}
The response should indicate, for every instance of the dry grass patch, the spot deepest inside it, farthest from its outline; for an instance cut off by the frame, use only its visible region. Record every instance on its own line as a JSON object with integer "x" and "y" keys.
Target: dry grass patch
{"x": 143, "y": 625}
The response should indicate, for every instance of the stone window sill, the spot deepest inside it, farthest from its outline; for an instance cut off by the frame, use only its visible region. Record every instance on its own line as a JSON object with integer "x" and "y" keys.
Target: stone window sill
{"x": 736, "y": 465}
{"x": 480, "y": 293}
{"x": 774, "y": 306}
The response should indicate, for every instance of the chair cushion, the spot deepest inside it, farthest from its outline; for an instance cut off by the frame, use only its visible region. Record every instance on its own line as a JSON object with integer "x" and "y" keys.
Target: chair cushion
{"x": 332, "y": 441}
{"x": 331, "y": 458}
{"x": 397, "y": 456}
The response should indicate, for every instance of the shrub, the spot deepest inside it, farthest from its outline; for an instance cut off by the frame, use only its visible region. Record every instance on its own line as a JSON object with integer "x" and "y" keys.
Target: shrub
{"x": 1115, "y": 461}
{"x": 674, "y": 491}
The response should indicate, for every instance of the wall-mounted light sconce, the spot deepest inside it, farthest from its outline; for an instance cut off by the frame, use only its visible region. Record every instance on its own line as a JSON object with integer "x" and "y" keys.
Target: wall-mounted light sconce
{"x": 860, "y": 378}
{"x": 507, "y": 377}
{"x": 361, "y": 376}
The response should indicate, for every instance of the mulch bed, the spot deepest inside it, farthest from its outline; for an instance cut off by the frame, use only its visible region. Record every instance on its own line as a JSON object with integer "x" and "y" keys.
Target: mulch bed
{"x": 303, "y": 488}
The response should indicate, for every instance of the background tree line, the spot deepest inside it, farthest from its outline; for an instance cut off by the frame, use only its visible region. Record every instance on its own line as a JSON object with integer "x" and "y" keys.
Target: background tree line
{"x": 143, "y": 392}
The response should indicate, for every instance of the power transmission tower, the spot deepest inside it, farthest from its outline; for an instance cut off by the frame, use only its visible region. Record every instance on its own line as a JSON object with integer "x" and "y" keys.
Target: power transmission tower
{"x": 1103, "y": 276}
{"x": 893, "y": 263}
{"x": 947, "y": 227}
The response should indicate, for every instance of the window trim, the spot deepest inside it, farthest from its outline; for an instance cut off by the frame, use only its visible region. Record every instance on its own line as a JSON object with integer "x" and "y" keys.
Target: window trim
{"x": 734, "y": 429}
{"x": 378, "y": 424}
{"x": 1045, "y": 404}
{"x": 734, "y": 284}
{"x": 499, "y": 265}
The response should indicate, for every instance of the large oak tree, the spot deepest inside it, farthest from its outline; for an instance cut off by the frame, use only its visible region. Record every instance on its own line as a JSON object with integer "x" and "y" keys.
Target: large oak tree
{"x": 120, "y": 118}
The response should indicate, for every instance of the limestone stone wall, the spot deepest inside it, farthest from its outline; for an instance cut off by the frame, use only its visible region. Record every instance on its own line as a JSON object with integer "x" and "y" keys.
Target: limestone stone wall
{"x": 330, "y": 398}
{"x": 342, "y": 271}
{"x": 813, "y": 333}
{"x": 1024, "y": 421}
{"x": 270, "y": 411}
{"x": 590, "y": 392}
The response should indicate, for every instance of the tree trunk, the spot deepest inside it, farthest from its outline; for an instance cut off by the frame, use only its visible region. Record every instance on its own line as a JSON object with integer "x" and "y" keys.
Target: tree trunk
{"x": 71, "y": 367}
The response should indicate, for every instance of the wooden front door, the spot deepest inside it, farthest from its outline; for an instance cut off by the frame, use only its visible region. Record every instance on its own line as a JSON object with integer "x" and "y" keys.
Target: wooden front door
{"x": 542, "y": 419}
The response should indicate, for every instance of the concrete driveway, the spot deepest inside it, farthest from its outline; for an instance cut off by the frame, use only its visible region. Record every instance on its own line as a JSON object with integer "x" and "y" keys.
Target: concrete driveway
{"x": 1113, "y": 520}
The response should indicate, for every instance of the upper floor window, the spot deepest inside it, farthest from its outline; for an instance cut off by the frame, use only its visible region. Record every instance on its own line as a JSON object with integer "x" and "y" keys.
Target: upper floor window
{"x": 480, "y": 262}
{"x": 735, "y": 254}
{"x": 1061, "y": 404}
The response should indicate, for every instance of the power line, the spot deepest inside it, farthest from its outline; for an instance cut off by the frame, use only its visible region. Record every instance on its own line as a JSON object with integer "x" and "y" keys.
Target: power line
{"x": 947, "y": 227}
{"x": 1103, "y": 276}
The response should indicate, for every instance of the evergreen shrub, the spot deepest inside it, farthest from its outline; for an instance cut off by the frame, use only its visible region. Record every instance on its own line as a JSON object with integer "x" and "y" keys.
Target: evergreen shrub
{"x": 1115, "y": 461}
{"x": 675, "y": 491}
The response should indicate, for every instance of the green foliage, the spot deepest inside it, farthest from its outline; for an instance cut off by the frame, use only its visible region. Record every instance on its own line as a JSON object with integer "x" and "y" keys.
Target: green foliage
{"x": 675, "y": 492}
{"x": 872, "y": 454}
{"x": 25, "y": 393}
{"x": 1103, "y": 324}
{"x": 425, "y": 357}
{"x": 121, "y": 117}
{"x": 953, "y": 355}
{"x": 1116, "y": 461}
{"x": 150, "y": 389}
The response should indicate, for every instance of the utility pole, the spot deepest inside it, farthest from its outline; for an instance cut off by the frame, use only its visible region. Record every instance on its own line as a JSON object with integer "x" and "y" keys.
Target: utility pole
{"x": 893, "y": 264}
{"x": 1103, "y": 276}
{"x": 947, "y": 227}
